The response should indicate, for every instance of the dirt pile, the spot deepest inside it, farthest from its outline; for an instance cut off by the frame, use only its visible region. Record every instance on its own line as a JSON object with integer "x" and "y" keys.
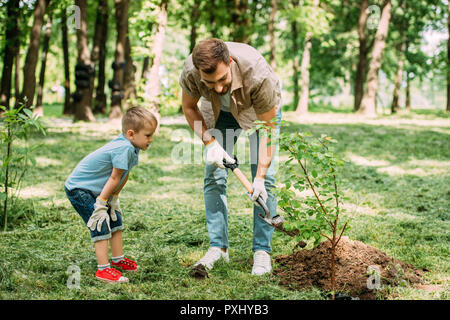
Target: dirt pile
{"x": 306, "y": 268}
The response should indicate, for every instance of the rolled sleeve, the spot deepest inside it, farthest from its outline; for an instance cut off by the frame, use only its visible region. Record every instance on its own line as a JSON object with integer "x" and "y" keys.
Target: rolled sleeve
{"x": 266, "y": 95}
{"x": 188, "y": 84}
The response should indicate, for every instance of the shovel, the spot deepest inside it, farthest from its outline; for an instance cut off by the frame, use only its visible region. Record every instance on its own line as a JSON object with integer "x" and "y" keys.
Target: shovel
{"x": 277, "y": 221}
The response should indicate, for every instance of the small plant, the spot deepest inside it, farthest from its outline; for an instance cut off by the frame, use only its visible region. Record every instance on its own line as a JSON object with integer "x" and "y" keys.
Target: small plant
{"x": 311, "y": 168}
{"x": 15, "y": 125}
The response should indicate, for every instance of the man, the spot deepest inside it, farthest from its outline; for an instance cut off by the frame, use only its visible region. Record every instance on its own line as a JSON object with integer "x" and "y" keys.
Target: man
{"x": 237, "y": 87}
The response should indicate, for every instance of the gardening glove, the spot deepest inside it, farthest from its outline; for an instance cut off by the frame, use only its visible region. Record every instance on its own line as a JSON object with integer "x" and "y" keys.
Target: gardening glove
{"x": 259, "y": 189}
{"x": 99, "y": 215}
{"x": 114, "y": 204}
{"x": 215, "y": 155}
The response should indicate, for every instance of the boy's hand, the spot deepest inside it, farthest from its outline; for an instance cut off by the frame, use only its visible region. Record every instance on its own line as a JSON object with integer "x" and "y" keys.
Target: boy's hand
{"x": 99, "y": 215}
{"x": 114, "y": 204}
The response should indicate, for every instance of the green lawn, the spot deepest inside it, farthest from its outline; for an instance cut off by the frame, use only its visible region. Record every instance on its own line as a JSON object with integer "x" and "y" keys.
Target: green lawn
{"x": 397, "y": 179}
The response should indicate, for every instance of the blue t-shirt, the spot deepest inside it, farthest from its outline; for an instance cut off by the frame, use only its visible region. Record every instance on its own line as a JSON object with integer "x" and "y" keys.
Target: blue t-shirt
{"x": 95, "y": 169}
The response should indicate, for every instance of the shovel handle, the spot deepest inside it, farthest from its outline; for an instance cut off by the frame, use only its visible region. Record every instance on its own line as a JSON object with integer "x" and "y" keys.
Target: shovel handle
{"x": 243, "y": 180}
{"x": 249, "y": 188}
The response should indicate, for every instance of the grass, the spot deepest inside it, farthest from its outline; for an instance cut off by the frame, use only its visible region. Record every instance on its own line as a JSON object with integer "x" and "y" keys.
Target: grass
{"x": 396, "y": 179}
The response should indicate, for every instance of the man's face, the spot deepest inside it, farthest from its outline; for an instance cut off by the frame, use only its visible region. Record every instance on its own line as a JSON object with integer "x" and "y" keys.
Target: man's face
{"x": 220, "y": 80}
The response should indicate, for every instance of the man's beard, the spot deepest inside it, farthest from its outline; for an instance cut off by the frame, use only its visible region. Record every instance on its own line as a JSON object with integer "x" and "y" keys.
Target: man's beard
{"x": 226, "y": 91}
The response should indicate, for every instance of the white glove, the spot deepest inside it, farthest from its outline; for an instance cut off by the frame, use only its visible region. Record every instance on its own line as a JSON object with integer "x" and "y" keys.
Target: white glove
{"x": 215, "y": 155}
{"x": 259, "y": 189}
{"x": 114, "y": 204}
{"x": 99, "y": 216}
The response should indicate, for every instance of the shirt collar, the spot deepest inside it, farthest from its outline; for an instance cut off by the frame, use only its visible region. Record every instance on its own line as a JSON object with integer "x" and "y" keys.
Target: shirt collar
{"x": 236, "y": 77}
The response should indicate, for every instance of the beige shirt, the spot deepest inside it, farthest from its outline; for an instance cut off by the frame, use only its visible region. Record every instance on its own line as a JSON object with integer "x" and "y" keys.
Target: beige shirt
{"x": 255, "y": 88}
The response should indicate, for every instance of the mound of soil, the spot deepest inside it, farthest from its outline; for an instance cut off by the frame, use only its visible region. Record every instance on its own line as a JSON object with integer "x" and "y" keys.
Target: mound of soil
{"x": 311, "y": 268}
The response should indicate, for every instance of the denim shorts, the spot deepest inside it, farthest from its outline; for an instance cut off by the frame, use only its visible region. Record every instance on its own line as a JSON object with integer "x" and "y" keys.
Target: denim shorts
{"x": 83, "y": 201}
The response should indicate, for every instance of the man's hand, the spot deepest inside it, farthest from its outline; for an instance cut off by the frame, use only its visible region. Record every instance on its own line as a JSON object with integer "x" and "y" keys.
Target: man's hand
{"x": 215, "y": 155}
{"x": 259, "y": 189}
{"x": 114, "y": 204}
{"x": 99, "y": 216}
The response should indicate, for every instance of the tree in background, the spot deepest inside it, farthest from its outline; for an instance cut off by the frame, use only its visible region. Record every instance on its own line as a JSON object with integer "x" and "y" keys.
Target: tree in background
{"x": 313, "y": 21}
{"x": 368, "y": 103}
{"x": 119, "y": 65}
{"x": 364, "y": 49}
{"x": 39, "y": 110}
{"x": 68, "y": 107}
{"x": 29, "y": 69}
{"x": 83, "y": 69}
{"x": 99, "y": 56}
{"x": 153, "y": 81}
{"x": 11, "y": 50}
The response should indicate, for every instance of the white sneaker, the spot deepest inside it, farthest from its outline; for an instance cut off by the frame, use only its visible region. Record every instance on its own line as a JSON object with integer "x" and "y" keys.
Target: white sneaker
{"x": 261, "y": 263}
{"x": 213, "y": 254}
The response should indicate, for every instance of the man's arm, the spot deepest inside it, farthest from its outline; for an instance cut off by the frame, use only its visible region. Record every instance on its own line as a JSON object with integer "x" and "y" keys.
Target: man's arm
{"x": 266, "y": 152}
{"x": 193, "y": 116}
{"x": 112, "y": 184}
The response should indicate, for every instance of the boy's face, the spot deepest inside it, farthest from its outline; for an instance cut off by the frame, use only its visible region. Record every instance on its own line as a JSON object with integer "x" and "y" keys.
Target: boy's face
{"x": 142, "y": 138}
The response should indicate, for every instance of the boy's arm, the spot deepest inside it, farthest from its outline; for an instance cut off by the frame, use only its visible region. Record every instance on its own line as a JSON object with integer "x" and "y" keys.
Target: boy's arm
{"x": 122, "y": 185}
{"x": 112, "y": 184}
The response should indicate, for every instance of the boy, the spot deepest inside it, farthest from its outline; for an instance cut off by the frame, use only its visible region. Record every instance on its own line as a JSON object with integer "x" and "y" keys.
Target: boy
{"x": 94, "y": 185}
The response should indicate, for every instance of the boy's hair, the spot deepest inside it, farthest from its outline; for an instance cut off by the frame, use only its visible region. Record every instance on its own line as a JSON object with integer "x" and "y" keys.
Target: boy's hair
{"x": 136, "y": 118}
{"x": 208, "y": 53}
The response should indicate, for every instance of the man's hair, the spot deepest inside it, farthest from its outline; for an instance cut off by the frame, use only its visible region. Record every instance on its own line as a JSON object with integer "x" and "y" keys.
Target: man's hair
{"x": 136, "y": 118}
{"x": 208, "y": 53}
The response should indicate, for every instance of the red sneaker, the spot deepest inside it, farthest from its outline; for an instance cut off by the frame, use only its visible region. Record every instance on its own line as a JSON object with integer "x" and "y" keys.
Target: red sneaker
{"x": 110, "y": 275}
{"x": 125, "y": 264}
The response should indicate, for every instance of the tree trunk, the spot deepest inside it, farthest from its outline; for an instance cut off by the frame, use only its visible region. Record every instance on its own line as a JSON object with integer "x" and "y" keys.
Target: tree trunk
{"x": 448, "y": 59}
{"x": 295, "y": 75}
{"x": 17, "y": 75}
{"x": 368, "y": 106}
{"x": 212, "y": 19}
{"x": 48, "y": 32}
{"x": 99, "y": 56}
{"x": 68, "y": 106}
{"x": 408, "y": 94}
{"x": 273, "y": 13}
{"x": 129, "y": 78}
{"x": 304, "y": 94}
{"x": 83, "y": 100}
{"x": 362, "y": 58}
{"x": 240, "y": 21}
{"x": 100, "y": 96}
{"x": 395, "y": 107}
{"x": 195, "y": 14}
{"x": 121, "y": 13}
{"x": 145, "y": 66}
{"x": 153, "y": 81}
{"x": 29, "y": 68}
{"x": 11, "y": 49}
{"x": 295, "y": 53}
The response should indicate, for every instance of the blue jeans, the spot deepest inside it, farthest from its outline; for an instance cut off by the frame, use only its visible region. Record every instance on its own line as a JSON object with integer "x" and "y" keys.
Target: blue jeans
{"x": 215, "y": 189}
{"x": 83, "y": 203}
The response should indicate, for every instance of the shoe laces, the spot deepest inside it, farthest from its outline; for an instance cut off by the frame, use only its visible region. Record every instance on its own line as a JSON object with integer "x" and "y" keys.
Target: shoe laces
{"x": 262, "y": 259}
{"x": 211, "y": 254}
{"x": 127, "y": 262}
{"x": 113, "y": 271}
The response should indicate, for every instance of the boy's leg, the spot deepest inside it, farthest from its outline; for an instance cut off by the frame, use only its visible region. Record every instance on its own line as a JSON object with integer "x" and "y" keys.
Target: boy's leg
{"x": 116, "y": 244}
{"x": 101, "y": 251}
